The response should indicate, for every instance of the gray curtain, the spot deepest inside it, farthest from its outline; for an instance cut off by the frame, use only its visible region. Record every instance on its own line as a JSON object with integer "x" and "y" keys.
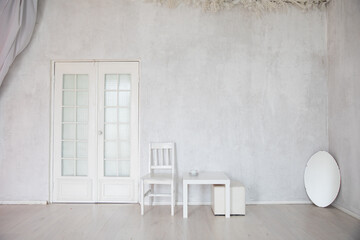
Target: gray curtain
{"x": 17, "y": 22}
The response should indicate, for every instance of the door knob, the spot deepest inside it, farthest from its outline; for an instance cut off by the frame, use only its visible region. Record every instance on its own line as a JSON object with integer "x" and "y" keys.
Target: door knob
{"x": 100, "y": 132}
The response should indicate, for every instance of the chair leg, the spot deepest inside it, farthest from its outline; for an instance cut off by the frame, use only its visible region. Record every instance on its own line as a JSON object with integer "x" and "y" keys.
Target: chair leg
{"x": 142, "y": 196}
{"x": 151, "y": 199}
{"x": 172, "y": 199}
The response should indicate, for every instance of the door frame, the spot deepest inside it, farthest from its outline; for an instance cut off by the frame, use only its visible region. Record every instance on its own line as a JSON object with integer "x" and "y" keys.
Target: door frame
{"x": 52, "y": 110}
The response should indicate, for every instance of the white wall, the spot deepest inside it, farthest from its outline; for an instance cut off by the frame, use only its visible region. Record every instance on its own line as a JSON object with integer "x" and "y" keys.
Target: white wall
{"x": 344, "y": 98}
{"x": 237, "y": 92}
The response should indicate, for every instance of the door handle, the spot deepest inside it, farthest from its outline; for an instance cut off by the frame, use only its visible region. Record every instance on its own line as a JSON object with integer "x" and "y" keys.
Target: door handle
{"x": 100, "y": 132}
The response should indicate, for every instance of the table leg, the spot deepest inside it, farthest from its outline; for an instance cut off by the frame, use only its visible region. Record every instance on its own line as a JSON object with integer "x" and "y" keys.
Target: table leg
{"x": 227, "y": 199}
{"x": 185, "y": 200}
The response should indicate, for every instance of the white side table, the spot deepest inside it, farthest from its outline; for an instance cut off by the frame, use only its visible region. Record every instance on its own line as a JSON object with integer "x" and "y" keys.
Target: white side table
{"x": 206, "y": 178}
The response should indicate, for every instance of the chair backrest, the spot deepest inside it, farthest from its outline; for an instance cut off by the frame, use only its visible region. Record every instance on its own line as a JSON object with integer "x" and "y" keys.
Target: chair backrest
{"x": 162, "y": 157}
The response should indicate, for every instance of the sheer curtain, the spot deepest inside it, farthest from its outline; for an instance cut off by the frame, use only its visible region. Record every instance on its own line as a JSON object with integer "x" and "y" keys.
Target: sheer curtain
{"x": 17, "y": 22}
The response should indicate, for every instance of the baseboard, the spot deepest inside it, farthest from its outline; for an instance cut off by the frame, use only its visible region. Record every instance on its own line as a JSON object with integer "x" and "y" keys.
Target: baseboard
{"x": 277, "y": 202}
{"x": 193, "y": 203}
{"x": 179, "y": 203}
{"x": 247, "y": 203}
{"x": 23, "y": 202}
{"x": 346, "y": 211}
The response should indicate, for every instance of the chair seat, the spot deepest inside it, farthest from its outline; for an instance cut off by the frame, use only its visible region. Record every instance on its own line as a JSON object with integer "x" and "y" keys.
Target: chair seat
{"x": 158, "y": 178}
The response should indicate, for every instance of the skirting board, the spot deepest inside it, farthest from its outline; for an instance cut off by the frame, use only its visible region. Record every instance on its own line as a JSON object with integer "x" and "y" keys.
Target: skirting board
{"x": 247, "y": 203}
{"x": 346, "y": 211}
{"x": 278, "y": 202}
{"x": 179, "y": 203}
{"x": 190, "y": 203}
{"x": 23, "y": 202}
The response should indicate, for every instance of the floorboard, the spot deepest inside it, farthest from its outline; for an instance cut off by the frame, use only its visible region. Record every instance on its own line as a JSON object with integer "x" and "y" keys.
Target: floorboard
{"x": 122, "y": 221}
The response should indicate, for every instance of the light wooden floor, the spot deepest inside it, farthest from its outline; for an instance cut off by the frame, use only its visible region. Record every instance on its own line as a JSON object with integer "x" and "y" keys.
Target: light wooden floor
{"x": 116, "y": 221}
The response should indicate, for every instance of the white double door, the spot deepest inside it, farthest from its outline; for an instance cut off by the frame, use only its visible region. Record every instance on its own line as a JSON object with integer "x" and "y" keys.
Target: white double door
{"x": 95, "y": 132}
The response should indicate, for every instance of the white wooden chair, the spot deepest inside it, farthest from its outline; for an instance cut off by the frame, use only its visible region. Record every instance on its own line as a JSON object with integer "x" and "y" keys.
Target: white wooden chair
{"x": 161, "y": 171}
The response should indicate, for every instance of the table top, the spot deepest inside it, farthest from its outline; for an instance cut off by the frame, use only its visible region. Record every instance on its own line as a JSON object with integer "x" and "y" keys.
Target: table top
{"x": 206, "y": 176}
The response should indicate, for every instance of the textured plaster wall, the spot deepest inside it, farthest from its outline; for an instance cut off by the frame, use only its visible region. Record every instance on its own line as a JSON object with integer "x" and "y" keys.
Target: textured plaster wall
{"x": 344, "y": 97}
{"x": 237, "y": 92}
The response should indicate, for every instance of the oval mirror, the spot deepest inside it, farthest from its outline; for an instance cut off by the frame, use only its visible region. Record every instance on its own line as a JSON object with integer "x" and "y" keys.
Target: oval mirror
{"x": 322, "y": 179}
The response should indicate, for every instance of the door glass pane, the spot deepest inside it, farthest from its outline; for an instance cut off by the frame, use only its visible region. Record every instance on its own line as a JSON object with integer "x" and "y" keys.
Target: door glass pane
{"x": 124, "y": 168}
{"x": 111, "y": 81}
{"x": 125, "y": 80}
{"x": 110, "y": 115}
{"x": 68, "y": 81}
{"x": 68, "y": 149}
{"x": 124, "y": 116}
{"x": 111, "y": 168}
{"x": 124, "y": 99}
{"x": 82, "y": 132}
{"x": 68, "y": 167}
{"x": 124, "y": 150}
{"x": 82, "y": 81}
{"x": 81, "y": 168}
{"x": 82, "y": 114}
{"x": 68, "y": 98}
{"x": 68, "y": 131}
{"x": 68, "y": 114}
{"x": 124, "y": 130}
{"x": 82, "y": 98}
{"x": 81, "y": 149}
{"x": 110, "y": 132}
{"x": 110, "y": 99}
{"x": 110, "y": 150}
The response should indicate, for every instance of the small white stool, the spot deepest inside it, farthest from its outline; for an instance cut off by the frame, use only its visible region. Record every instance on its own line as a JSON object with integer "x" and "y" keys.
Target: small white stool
{"x": 237, "y": 199}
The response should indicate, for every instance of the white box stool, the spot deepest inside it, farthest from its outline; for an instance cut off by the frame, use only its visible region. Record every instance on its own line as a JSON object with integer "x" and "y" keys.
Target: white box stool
{"x": 237, "y": 199}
